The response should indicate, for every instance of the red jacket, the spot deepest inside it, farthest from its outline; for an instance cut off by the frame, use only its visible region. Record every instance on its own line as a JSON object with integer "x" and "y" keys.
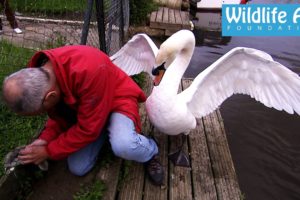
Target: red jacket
{"x": 92, "y": 87}
{"x": 244, "y": 1}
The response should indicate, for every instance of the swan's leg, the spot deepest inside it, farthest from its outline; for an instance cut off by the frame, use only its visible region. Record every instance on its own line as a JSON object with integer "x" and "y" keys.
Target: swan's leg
{"x": 179, "y": 158}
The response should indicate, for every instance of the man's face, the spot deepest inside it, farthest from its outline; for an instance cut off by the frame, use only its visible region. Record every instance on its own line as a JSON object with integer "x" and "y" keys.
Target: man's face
{"x": 49, "y": 100}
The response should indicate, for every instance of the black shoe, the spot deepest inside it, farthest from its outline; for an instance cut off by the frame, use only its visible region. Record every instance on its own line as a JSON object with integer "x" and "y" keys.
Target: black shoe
{"x": 155, "y": 170}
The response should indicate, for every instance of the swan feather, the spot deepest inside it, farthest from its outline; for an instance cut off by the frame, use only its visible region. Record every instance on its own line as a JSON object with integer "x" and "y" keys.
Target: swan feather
{"x": 137, "y": 55}
{"x": 244, "y": 71}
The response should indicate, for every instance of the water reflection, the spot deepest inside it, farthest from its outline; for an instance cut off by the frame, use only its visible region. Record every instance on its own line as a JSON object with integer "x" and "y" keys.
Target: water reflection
{"x": 264, "y": 142}
{"x": 208, "y": 28}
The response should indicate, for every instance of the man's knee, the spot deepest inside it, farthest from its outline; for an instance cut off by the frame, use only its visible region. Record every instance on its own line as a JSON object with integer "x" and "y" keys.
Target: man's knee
{"x": 79, "y": 169}
{"x": 123, "y": 148}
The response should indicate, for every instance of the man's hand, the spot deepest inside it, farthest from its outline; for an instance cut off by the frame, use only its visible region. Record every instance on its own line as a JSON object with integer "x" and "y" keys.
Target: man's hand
{"x": 39, "y": 142}
{"x": 33, "y": 154}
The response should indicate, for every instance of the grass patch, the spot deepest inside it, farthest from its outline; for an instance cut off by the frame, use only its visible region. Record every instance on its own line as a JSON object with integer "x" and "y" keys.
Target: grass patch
{"x": 14, "y": 130}
{"x": 53, "y": 7}
{"x": 91, "y": 192}
{"x": 139, "y": 11}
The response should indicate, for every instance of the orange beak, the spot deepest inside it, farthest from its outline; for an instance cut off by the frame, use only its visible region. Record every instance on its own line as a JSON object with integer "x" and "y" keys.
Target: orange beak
{"x": 158, "y": 77}
{"x": 158, "y": 72}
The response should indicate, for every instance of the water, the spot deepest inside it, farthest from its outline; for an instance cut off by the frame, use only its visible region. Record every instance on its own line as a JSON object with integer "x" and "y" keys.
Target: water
{"x": 264, "y": 143}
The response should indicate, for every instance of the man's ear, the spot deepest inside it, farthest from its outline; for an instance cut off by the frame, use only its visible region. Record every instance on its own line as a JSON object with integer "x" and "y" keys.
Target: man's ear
{"x": 51, "y": 99}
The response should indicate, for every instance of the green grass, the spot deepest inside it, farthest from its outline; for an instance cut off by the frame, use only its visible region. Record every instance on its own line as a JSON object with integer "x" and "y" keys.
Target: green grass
{"x": 14, "y": 130}
{"x": 139, "y": 11}
{"x": 48, "y": 6}
{"x": 91, "y": 192}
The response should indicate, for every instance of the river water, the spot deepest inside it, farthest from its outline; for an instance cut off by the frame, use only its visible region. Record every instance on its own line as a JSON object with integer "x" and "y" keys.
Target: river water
{"x": 264, "y": 143}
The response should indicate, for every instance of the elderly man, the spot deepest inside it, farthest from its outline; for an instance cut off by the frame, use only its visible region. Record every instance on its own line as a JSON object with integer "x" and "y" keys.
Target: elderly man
{"x": 86, "y": 98}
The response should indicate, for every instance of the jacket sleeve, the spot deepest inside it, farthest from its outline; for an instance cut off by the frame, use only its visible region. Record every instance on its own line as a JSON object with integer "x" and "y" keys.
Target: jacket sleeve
{"x": 51, "y": 130}
{"x": 95, "y": 93}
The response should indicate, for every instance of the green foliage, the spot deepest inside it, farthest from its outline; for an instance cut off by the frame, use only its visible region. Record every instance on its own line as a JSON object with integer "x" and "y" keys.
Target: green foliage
{"x": 14, "y": 130}
{"x": 52, "y": 7}
{"x": 91, "y": 192}
{"x": 139, "y": 11}
{"x": 139, "y": 79}
{"x": 57, "y": 40}
{"x": 12, "y": 58}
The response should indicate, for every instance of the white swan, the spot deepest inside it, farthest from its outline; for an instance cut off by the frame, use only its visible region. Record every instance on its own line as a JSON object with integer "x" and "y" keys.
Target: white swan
{"x": 241, "y": 70}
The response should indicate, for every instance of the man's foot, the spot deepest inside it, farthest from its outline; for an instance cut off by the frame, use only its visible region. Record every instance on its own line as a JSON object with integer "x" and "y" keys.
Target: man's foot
{"x": 17, "y": 30}
{"x": 1, "y": 32}
{"x": 155, "y": 170}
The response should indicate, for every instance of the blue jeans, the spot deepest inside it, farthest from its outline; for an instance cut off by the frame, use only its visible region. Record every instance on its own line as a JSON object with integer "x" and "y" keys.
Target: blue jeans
{"x": 125, "y": 143}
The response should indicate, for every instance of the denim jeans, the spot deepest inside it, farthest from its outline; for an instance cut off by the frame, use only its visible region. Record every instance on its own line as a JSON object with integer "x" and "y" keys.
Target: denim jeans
{"x": 125, "y": 143}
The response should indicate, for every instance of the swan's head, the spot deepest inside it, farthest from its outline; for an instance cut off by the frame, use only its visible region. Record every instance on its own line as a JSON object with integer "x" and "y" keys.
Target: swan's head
{"x": 181, "y": 42}
{"x": 162, "y": 61}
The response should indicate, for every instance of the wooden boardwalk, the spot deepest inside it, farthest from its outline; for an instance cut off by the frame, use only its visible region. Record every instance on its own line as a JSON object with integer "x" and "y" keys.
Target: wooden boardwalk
{"x": 211, "y": 176}
{"x": 170, "y": 20}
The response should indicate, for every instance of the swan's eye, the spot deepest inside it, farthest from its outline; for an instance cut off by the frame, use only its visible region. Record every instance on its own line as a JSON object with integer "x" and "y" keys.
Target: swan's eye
{"x": 155, "y": 71}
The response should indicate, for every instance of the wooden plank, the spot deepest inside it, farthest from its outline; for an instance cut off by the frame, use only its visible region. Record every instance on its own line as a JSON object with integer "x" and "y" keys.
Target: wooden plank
{"x": 172, "y": 16}
{"x": 109, "y": 175}
{"x": 166, "y": 15}
{"x": 171, "y": 20}
{"x": 202, "y": 175}
{"x": 159, "y": 16}
{"x": 222, "y": 166}
{"x": 171, "y": 23}
{"x": 153, "y": 23}
{"x": 178, "y": 19}
{"x": 158, "y": 23}
{"x": 132, "y": 186}
{"x": 234, "y": 185}
{"x": 180, "y": 177}
{"x": 151, "y": 191}
{"x": 185, "y": 16}
{"x": 153, "y": 17}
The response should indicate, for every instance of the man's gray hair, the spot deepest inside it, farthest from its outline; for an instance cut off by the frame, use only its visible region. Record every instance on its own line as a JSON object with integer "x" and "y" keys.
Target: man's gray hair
{"x": 32, "y": 83}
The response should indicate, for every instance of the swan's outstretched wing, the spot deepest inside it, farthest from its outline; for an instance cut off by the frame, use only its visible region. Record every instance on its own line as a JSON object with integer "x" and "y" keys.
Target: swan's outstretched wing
{"x": 244, "y": 71}
{"x": 137, "y": 55}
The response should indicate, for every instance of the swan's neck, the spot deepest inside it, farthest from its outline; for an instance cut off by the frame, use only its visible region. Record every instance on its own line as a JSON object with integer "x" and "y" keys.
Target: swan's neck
{"x": 173, "y": 75}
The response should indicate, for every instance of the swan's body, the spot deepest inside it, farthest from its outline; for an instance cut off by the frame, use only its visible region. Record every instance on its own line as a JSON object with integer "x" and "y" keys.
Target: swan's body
{"x": 242, "y": 70}
{"x": 166, "y": 109}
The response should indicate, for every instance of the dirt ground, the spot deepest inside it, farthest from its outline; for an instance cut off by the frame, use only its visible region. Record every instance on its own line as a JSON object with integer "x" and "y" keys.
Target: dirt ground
{"x": 58, "y": 183}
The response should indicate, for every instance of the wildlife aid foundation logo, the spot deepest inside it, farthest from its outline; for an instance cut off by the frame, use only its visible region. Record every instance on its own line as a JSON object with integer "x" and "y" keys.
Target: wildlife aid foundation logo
{"x": 261, "y": 20}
